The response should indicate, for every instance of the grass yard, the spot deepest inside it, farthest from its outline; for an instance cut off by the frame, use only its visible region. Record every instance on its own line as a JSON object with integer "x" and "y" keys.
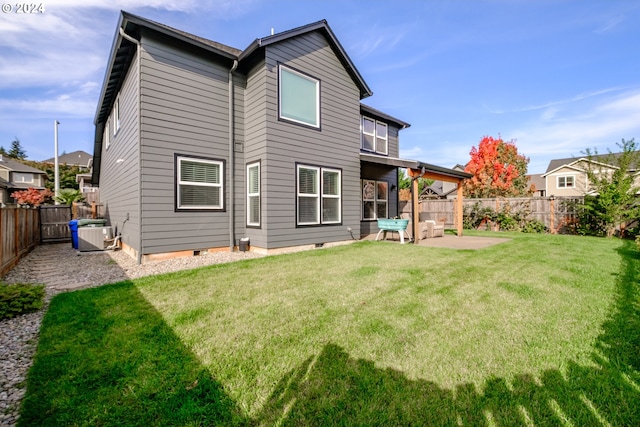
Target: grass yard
{"x": 541, "y": 330}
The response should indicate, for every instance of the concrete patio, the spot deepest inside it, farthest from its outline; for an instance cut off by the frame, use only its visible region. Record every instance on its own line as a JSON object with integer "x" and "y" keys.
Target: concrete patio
{"x": 449, "y": 241}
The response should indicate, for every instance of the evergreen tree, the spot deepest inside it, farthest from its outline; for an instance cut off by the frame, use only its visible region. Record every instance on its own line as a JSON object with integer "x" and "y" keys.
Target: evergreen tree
{"x": 16, "y": 151}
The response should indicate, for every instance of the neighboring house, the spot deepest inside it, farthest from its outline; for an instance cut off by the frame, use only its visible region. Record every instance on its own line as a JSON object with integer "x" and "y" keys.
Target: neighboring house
{"x": 539, "y": 183}
{"x": 15, "y": 176}
{"x": 77, "y": 158}
{"x": 199, "y": 144}
{"x": 441, "y": 189}
{"x": 568, "y": 177}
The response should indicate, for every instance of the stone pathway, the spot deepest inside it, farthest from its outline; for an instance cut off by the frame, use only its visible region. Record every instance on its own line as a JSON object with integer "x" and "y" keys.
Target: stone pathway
{"x": 63, "y": 269}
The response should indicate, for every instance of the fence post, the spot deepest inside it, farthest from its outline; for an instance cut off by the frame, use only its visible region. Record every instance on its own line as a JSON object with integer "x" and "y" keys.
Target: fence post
{"x": 552, "y": 211}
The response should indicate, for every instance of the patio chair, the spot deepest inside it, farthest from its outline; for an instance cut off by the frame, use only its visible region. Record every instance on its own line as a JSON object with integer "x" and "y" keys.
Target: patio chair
{"x": 430, "y": 229}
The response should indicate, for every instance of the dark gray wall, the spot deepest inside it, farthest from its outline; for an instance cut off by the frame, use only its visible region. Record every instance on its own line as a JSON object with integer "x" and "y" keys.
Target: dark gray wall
{"x": 380, "y": 173}
{"x": 119, "y": 174}
{"x": 184, "y": 104}
{"x": 336, "y": 145}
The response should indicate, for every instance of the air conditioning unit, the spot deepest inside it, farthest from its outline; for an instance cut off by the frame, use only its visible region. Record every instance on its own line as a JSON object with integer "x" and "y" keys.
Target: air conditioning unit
{"x": 92, "y": 238}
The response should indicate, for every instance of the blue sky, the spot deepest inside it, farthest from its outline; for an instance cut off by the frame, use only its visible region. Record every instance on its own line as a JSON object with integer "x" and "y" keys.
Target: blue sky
{"x": 556, "y": 76}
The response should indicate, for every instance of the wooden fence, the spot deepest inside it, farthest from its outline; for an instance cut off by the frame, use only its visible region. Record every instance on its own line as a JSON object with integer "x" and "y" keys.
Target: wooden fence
{"x": 556, "y": 213}
{"x": 54, "y": 223}
{"x": 19, "y": 234}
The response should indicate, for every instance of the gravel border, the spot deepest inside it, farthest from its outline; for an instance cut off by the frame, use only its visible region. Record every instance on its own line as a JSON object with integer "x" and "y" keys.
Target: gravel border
{"x": 63, "y": 269}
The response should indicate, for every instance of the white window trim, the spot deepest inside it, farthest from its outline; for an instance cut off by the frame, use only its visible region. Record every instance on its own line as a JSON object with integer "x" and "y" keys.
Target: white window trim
{"x": 573, "y": 178}
{"x": 251, "y": 195}
{"x": 332, "y": 196}
{"x": 318, "y": 195}
{"x": 107, "y": 135}
{"x": 315, "y": 194}
{"x": 23, "y": 175}
{"x": 179, "y": 160}
{"x": 374, "y": 135}
{"x": 116, "y": 115}
{"x": 306, "y": 77}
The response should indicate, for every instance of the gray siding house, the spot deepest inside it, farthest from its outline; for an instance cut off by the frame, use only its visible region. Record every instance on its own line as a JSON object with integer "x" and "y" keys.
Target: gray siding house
{"x": 15, "y": 176}
{"x": 199, "y": 144}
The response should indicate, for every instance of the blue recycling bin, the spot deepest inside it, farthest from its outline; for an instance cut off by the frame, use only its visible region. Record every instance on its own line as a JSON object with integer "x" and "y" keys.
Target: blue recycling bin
{"x": 73, "y": 226}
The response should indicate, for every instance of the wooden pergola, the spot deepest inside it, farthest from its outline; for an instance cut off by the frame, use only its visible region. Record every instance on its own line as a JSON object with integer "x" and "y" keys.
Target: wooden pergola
{"x": 417, "y": 169}
{"x": 439, "y": 174}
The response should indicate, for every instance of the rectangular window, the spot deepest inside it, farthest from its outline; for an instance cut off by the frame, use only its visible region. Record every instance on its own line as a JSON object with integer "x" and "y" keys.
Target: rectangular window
{"x": 375, "y": 136}
{"x": 319, "y": 194}
{"x": 375, "y": 199}
{"x": 299, "y": 97}
{"x": 107, "y": 135}
{"x": 253, "y": 195}
{"x": 116, "y": 115}
{"x": 566, "y": 181}
{"x": 22, "y": 177}
{"x": 199, "y": 183}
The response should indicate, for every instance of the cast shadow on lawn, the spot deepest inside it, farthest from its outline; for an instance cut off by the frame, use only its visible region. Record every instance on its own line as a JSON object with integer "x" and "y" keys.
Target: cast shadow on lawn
{"x": 333, "y": 386}
{"x": 107, "y": 357}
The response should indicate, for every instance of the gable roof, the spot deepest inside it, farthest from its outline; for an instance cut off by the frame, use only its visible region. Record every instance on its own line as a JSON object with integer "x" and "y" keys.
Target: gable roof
{"x": 598, "y": 158}
{"x": 377, "y": 114}
{"x": 122, "y": 51}
{"x": 76, "y": 158}
{"x": 15, "y": 166}
{"x": 124, "y": 46}
{"x": 323, "y": 27}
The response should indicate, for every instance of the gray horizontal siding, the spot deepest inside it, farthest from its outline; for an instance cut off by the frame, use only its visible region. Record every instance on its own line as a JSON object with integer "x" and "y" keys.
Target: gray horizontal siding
{"x": 119, "y": 180}
{"x": 336, "y": 145}
{"x": 184, "y": 100}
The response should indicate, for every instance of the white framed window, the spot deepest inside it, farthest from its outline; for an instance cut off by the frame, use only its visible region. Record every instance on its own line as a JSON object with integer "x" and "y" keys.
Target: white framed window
{"x": 253, "y": 194}
{"x": 199, "y": 183}
{"x": 116, "y": 115}
{"x": 566, "y": 181}
{"x": 375, "y": 199}
{"x": 299, "y": 97}
{"x": 107, "y": 135}
{"x": 375, "y": 136}
{"x": 319, "y": 195}
{"x": 22, "y": 177}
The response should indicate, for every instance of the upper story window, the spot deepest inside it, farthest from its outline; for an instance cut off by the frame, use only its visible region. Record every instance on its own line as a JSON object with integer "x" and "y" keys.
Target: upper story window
{"x": 116, "y": 115}
{"x": 319, "y": 195}
{"x": 199, "y": 183}
{"x": 107, "y": 135}
{"x": 375, "y": 136}
{"x": 567, "y": 181}
{"x": 22, "y": 177}
{"x": 299, "y": 97}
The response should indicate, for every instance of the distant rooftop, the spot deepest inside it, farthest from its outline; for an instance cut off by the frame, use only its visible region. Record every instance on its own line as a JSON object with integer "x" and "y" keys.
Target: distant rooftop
{"x": 76, "y": 158}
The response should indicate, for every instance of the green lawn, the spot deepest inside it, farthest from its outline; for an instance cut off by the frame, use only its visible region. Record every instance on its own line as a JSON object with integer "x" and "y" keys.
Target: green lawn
{"x": 541, "y": 330}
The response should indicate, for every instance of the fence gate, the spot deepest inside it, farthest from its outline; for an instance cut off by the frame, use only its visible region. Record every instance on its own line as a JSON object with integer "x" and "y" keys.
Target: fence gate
{"x": 54, "y": 223}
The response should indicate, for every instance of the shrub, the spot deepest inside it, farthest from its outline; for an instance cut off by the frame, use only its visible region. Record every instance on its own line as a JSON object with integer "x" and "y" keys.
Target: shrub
{"x": 20, "y": 298}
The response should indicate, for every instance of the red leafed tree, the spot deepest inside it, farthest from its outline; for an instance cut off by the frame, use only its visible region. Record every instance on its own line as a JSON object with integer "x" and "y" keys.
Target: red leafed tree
{"x": 32, "y": 196}
{"x": 498, "y": 170}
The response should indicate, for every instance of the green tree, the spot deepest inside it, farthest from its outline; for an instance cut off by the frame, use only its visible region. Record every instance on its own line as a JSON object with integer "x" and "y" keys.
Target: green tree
{"x": 3, "y": 151}
{"x": 69, "y": 195}
{"x": 614, "y": 201}
{"x": 16, "y": 151}
{"x": 404, "y": 182}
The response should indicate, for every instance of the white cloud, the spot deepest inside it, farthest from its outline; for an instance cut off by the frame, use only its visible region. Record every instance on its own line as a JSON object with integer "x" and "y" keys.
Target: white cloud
{"x": 601, "y": 125}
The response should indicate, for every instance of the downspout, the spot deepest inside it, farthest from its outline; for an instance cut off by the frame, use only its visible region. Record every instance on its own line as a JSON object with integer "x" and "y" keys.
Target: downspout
{"x": 232, "y": 161}
{"x": 139, "y": 113}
